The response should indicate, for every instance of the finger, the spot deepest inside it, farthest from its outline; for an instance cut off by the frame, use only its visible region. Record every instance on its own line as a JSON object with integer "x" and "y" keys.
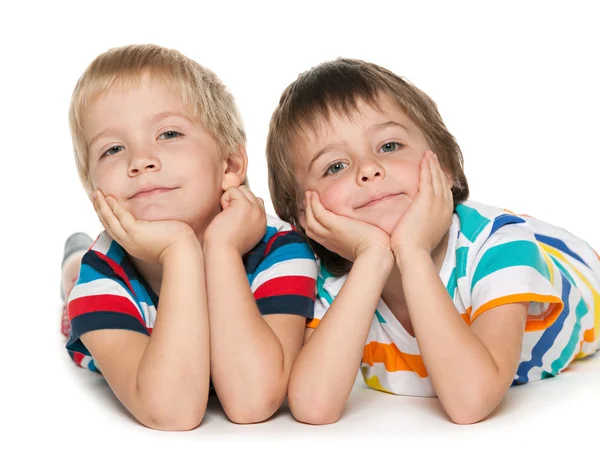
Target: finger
{"x": 111, "y": 223}
{"x": 247, "y": 193}
{"x": 125, "y": 218}
{"x": 313, "y": 226}
{"x": 323, "y": 216}
{"x": 425, "y": 175}
{"x": 436, "y": 176}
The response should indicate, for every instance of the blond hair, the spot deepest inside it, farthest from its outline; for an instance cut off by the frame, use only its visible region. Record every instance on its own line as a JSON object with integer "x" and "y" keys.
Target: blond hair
{"x": 199, "y": 88}
{"x": 335, "y": 87}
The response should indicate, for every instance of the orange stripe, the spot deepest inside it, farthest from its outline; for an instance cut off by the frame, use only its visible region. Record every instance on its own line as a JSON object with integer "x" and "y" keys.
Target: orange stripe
{"x": 393, "y": 359}
{"x": 466, "y": 316}
{"x": 534, "y": 323}
{"x": 596, "y": 253}
{"x": 312, "y": 323}
{"x": 589, "y": 336}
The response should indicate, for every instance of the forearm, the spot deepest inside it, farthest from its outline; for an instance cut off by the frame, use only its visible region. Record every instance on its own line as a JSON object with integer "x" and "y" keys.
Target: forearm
{"x": 462, "y": 371}
{"x": 247, "y": 359}
{"x": 326, "y": 367}
{"x": 173, "y": 374}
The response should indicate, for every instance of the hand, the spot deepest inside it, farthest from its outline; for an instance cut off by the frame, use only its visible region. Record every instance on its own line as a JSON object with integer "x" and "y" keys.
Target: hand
{"x": 342, "y": 235}
{"x": 142, "y": 239}
{"x": 430, "y": 215}
{"x": 241, "y": 224}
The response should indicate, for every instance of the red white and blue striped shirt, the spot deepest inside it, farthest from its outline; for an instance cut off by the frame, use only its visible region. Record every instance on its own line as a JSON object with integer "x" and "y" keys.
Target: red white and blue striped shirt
{"x": 111, "y": 294}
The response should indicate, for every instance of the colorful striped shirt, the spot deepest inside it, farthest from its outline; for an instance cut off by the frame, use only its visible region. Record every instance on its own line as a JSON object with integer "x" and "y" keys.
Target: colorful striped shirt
{"x": 494, "y": 258}
{"x": 111, "y": 294}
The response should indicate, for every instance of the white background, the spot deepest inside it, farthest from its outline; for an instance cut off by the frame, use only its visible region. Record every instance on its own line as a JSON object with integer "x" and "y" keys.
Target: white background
{"x": 516, "y": 82}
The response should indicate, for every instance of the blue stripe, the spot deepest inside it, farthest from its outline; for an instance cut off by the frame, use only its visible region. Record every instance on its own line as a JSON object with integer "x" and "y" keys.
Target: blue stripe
{"x": 547, "y": 339}
{"x": 102, "y": 320}
{"x": 580, "y": 311}
{"x": 116, "y": 252}
{"x": 559, "y": 245}
{"x": 287, "y": 304}
{"x": 505, "y": 219}
{"x": 379, "y": 317}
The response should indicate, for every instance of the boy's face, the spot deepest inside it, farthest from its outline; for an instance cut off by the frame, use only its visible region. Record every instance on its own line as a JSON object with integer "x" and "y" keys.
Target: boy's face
{"x": 145, "y": 151}
{"x": 365, "y": 167}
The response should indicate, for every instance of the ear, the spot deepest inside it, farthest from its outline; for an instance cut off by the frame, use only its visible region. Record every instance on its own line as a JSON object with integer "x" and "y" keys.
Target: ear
{"x": 234, "y": 169}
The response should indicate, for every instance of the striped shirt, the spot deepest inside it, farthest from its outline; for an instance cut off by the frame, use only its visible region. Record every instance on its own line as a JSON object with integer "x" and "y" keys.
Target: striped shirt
{"x": 494, "y": 258}
{"x": 111, "y": 294}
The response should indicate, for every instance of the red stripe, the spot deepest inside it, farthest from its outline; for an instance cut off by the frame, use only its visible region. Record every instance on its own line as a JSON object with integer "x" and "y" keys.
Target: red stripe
{"x": 273, "y": 239}
{"x": 295, "y": 285}
{"x": 116, "y": 268}
{"x": 103, "y": 302}
{"x": 78, "y": 357}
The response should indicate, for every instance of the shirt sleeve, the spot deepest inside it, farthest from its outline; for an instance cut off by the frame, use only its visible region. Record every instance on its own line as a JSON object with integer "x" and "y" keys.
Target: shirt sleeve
{"x": 284, "y": 280}
{"x": 511, "y": 267}
{"x": 101, "y": 299}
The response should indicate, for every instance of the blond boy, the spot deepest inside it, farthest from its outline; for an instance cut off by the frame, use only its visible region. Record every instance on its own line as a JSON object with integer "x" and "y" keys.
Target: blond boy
{"x": 160, "y": 149}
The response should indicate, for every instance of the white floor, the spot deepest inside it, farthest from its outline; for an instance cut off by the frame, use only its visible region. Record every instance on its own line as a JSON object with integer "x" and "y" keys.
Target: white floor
{"x": 80, "y": 408}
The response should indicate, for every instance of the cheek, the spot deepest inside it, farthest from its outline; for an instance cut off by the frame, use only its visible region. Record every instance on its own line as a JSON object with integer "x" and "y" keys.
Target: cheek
{"x": 336, "y": 197}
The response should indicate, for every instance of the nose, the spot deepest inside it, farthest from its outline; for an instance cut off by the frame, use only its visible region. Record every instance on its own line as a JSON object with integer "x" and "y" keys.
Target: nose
{"x": 142, "y": 161}
{"x": 370, "y": 171}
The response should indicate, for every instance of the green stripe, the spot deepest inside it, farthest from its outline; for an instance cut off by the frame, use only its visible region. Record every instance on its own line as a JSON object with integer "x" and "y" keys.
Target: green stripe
{"x": 564, "y": 271}
{"x": 471, "y": 222}
{"x": 461, "y": 261}
{"x": 510, "y": 254}
{"x": 451, "y": 286}
{"x": 380, "y": 317}
{"x": 322, "y": 292}
{"x": 568, "y": 351}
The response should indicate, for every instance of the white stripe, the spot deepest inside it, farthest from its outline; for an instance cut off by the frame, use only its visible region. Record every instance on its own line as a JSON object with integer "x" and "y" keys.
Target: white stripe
{"x": 291, "y": 267}
{"x": 102, "y": 286}
{"x": 102, "y": 244}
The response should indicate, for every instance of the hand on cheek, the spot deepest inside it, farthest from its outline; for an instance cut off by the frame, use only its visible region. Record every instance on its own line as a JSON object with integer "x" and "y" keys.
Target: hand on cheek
{"x": 342, "y": 235}
{"x": 429, "y": 217}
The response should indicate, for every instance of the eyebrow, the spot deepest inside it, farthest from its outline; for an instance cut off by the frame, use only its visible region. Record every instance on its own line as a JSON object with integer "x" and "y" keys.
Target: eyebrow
{"x": 155, "y": 118}
{"x": 375, "y": 128}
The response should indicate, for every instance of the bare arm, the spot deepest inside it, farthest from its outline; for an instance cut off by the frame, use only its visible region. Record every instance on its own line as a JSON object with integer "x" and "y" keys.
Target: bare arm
{"x": 471, "y": 368}
{"x": 163, "y": 379}
{"x": 251, "y": 356}
{"x": 324, "y": 372}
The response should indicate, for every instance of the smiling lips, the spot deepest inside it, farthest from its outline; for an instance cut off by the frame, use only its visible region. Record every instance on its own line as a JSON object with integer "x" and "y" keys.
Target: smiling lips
{"x": 377, "y": 199}
{"x": 150, "y": 190}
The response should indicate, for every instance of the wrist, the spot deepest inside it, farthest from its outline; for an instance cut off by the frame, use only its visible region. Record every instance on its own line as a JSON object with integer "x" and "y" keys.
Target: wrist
{"x": 405, "y": 254}
{"x": 185, "y": 244}
{"x": 381, "y": 256}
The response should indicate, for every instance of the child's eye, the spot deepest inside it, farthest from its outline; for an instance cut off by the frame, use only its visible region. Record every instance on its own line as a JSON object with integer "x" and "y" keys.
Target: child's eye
{"x": 390, "y": 147}
{"x": 112, "y": 150}
{"x": 169, "y": 135}
{"x": 335, "y": 168}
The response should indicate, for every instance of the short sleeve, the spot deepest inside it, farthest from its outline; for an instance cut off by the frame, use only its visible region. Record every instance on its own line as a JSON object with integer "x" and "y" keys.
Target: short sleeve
{"x": 101, "y": 299}
{"x": 327, "y": 288}
{"x": 285, "y": 278}
{"x": 511, "y": 267}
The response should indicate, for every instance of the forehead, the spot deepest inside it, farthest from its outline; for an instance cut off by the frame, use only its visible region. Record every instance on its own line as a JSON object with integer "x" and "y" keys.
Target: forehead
{"x": 338, "y": 126}
{"x": 133, "y": 99}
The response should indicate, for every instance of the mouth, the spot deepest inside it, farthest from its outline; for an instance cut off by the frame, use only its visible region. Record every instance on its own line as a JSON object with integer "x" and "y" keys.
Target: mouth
{"x": 151, "y": 190}
{"x": 376, "y": 200}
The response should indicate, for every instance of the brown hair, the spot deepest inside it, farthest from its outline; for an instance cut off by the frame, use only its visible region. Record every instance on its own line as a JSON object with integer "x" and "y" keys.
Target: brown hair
{"x": 200, "y": 89}
{"x": 335, "y": 87}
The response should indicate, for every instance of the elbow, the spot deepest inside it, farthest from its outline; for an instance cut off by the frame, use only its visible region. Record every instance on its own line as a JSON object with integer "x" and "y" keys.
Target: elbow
{"x": 312, "y": 410}
{"x": 470, "y": 409}
{"x": 254, "y": 408}
{"x": 180, "y": 421}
